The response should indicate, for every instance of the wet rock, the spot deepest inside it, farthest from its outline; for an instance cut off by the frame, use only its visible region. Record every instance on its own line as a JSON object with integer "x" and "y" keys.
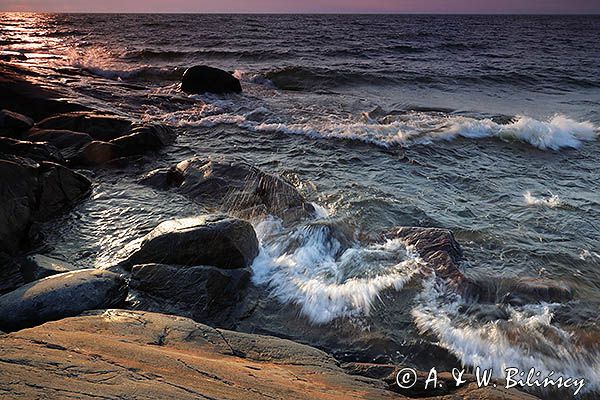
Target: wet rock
{"x": 145, "y": 138}
{"x": 38, "y": 266}
{"x": 10, "y": 274}
{"x": 235, "y": 187}
{"x": 19, "y": 179}
{"x": 215, "y": 240}
{"x": 32, "y": 192}
{"x": 21, "y": 92}
{"x": 98, "y": 153}
{"x": 204, "y": 79}
{"x": 69, "y": 143}
{"x": 13, "y": 124}
{"x": 101, "y": 127}
{"x": 60, "y": 189}
{"x": 194, "y": 361}
{"x": 206, "y": 294}
{"x": 35, "y": 151}
{"x": 60, "y": 296}
{"x": 442, "y": 253}
{"x": 535, "y": 290}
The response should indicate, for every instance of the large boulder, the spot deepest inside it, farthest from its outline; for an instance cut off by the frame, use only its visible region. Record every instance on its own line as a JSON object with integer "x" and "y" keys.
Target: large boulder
{"x": 204, "y": 79}
{"x": 60, "y": 296}
{"x": 32, "y": 192}
{"x": 215, "y": 240}
{"x": 235, "y": 187}
{"x": 203, "y": 293}
{"x": 13, "y": 124}
{"x": 103, "y": 127}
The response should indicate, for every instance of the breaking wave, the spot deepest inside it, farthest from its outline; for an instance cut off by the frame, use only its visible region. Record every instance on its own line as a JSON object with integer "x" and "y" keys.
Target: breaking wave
{"x": 314, "y": 268}
{"x": 413, "y": 128}
{"x": 524, "y": 337}
{"x": 553, "y": 201}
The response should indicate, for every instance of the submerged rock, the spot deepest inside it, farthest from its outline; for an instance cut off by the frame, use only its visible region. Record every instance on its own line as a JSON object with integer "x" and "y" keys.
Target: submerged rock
{"x": 144, "y": 138}
{"x": 60, "y": 296}
{"x": 13, "y": 124}
{"x": 215, "y": 240}
{"x": 235, "y": 187}
{"x": 204, "y": 79}
{"x": 536, "y": 290}
{"x": 205, "y": 294}
{"x": 143, "y": 355}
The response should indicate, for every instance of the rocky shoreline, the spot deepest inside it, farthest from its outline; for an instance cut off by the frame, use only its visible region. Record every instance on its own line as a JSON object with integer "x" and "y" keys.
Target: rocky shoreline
{"x": 196, "y": 268}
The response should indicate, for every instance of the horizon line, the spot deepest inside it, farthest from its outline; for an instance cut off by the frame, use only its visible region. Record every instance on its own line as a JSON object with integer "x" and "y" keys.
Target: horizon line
{"x": 306, "y": 13}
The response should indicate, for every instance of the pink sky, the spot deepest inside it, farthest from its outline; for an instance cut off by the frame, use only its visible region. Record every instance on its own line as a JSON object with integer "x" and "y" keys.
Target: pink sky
{"x": 309, "y": 6}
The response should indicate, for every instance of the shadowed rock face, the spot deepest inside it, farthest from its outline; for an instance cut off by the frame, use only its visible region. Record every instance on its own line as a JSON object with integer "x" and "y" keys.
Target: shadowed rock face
{"x": 36, "y": 151}
{"x": 142, "y": 355}
{"x": 13, "y": 124}
{"x": 60, "y": 296}
{"x": 235, "y": 187}
{"x": 99, "y": 126}
{"x": 69, "y": 143}
{"x": 203, "y": 293}
{"x": 204, "y": 79}
{"x": 209, "y": 240}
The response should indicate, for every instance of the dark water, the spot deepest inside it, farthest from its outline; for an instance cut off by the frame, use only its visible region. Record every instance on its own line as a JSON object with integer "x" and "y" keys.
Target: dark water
{"x": 486, "y": 125}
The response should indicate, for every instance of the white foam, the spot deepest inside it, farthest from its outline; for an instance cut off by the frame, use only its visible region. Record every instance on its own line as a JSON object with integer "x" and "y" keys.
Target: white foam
{"x": 552, "y": 202}
{"x": 327, "y": 287}
{"x": 528, "y": 339}
{"x": 421, "y": 128}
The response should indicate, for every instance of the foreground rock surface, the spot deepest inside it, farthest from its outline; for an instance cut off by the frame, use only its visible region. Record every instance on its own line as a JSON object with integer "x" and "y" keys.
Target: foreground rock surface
{"x": 142, "y": 355}
{"x": 60, "y": 296}
{"x": 234, "y": 186}
{"x": 215, "y": 240}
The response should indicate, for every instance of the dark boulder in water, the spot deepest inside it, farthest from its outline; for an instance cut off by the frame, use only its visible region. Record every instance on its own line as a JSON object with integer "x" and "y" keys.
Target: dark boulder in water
{"x": 215, "y": 240}
{"x": 233, "y": 186}
{"x": 203, "y": 293}
{"x": 102, "y": 127}
{"x": 13, "y": 124}
{"x": 31, "y": 192}
{"x": 204, "y": 79}
{"x": 60, "y": 296}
